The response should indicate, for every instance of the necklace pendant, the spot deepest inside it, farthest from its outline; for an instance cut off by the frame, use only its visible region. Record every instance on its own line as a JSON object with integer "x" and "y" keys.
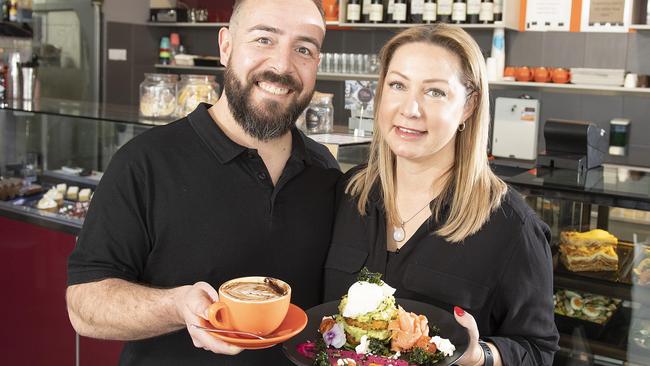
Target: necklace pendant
{"x": 398, "y": 233}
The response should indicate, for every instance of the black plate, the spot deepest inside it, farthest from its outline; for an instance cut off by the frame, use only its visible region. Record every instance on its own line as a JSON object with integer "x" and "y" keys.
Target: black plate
{"x": 449, "y": 328}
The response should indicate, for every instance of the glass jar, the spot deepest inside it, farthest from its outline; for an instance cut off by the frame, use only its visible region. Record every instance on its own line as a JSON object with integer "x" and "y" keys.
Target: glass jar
{"x": 158, "y": 95}
{"x": 319, "y": 116}
{"x": 196, "y": 89}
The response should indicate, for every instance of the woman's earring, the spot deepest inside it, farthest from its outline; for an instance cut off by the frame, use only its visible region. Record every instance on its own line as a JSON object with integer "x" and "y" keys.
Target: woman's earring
{"x": 461, "y": 127}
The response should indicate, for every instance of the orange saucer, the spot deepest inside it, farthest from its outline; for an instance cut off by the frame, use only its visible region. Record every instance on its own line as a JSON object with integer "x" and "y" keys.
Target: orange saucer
{"x": 293, "y": 323}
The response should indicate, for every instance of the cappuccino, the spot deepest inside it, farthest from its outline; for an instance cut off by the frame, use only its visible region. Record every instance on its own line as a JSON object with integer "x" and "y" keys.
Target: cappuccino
{"x": 251, "y": 291}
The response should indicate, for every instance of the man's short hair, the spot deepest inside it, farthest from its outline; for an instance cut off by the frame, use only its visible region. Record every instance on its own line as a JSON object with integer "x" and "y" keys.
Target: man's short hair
{"x": 239, "y": 3}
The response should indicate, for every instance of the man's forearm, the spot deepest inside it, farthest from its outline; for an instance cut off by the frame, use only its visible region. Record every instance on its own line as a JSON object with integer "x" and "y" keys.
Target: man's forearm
{"x": 121, "y": 310}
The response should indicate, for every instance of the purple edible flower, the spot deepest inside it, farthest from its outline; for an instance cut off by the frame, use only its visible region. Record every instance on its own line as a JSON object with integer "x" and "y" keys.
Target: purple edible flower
{"x": 335, "y": 337}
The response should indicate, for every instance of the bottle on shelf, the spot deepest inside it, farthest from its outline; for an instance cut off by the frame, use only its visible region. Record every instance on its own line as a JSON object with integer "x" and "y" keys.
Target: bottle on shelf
{"x": 365, "y": 11}
{"x": 13, "y": 10}
{"x": 486, "y": 16}
{"x": 498, "y": 10}
{"x": 445, "y": 8}
{"x": 473, "y": 11}
{"x": 5, "y": 11}
{"x": 416, "y": 11}
{"x": 389, "y": 7}
{"x": 376, "y": 11}
{"x": 331, "y": 8}
{"x": 400, "y": 12}
{"x": 353, "y": 11}
{"x": 175, "y": 44}
{"x": 459, "y": 12}
{"x": 430, "y": 11}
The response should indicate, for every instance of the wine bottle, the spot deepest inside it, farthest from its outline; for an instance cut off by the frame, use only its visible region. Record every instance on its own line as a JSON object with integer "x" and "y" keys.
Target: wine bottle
{"x": 389, "y": 7}
{"x": 399, "y": 11}
{"x": 416, "y": 12}
{"x": 486, "y": 16}
{"x": 430, "y": 12}
{"x": 444, "y": 10}
{"x": 498, "y": 10}
{"x": 459, "y": 12}
{"x": 353, "y": 13}
{"x": 365, "y": 11}
{"x": 376, "y": 11}
{"x": 473, "y": 10}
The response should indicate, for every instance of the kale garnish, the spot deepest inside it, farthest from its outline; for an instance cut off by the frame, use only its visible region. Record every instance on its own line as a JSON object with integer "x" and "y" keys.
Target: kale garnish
{"x": 321, "y": 358}
{"x": 419, "y": 356}
{"x": 378, "y": 347}
{"x": 434, "y": 331}
{"x": 372, "y": 277}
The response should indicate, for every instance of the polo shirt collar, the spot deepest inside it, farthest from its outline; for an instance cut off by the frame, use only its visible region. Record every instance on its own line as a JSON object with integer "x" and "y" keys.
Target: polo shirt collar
{"x": 226, "y": 149}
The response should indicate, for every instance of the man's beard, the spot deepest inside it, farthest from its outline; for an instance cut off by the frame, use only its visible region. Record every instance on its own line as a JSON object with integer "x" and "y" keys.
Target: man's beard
{"x": 268, "y": 119}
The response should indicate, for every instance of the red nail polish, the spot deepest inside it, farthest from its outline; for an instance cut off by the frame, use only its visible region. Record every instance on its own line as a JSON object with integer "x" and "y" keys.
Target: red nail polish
{"x": 459, "y": 311}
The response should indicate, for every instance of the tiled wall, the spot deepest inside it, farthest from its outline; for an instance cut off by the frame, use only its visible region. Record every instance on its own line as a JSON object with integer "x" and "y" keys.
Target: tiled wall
{"x": 630, "y": 51}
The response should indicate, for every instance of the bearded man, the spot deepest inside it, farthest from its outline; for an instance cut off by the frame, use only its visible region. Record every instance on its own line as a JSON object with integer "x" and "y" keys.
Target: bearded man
{"x": 230, "y": 190}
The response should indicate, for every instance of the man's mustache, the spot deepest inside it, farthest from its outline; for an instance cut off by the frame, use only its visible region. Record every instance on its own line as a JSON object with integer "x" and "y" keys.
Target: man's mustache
{"x": 285, "y": 80}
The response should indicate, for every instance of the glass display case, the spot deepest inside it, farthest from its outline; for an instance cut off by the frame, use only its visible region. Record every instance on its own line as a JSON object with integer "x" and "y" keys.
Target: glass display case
{"x": 67, "y": 145}
{"x": 60, "y": 142}
{"x": 601, "y": 277}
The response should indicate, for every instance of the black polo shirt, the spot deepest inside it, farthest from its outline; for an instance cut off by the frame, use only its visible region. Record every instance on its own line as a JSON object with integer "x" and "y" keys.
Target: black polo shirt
{"x": 183, "y": 203}
{"x": 502, "y": 275}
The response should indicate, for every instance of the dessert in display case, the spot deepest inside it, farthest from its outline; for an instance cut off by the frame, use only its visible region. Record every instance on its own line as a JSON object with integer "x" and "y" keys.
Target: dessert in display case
{"x": 600, "y": 223}
{"x": 54, "y": 153}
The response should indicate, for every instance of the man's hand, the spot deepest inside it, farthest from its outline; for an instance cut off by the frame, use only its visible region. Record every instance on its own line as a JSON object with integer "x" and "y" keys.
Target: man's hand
{"x": 192, "y": 307}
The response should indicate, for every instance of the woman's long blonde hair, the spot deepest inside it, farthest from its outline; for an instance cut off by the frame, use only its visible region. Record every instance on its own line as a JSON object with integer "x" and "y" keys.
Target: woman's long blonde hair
{"x": 474, "y": 191}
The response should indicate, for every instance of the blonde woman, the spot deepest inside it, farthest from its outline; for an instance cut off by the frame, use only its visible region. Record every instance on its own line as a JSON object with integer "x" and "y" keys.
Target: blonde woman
{"x": 428, "y": 213}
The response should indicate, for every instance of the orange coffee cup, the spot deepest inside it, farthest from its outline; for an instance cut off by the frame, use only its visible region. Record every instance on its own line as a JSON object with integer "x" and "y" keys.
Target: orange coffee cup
{"x": 509, "y": 71}
{"x": 250, "y": 304}
{"x": 560, "y": 75}
{"x": 523, "y": 73}
{"x": 541, "y": 75}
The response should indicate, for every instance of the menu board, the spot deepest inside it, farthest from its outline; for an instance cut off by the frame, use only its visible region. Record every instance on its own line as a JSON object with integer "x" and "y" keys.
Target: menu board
{"x": 606, "y": 15}
{"x": 606, "y": 11}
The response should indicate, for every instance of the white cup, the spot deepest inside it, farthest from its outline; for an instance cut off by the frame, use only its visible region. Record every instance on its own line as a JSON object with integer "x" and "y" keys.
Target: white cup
{"x": 491, "y": 65}
{"x": 631, "y": 80}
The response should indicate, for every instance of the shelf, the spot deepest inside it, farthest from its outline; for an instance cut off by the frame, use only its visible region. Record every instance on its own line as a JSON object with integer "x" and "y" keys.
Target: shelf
{"x": 641, "y": 27}
{"x": 213, "y": 69}
{"x": 335, "y": 76}
{"x": 498, "y": 25}
{"x": 187, "y": 24}
{"x": 570, "y": 88}
{"x": 617, "y": 290}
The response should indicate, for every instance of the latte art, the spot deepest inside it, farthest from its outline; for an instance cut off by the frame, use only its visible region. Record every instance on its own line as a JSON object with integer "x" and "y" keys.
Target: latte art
{"x": 250, "y": 291}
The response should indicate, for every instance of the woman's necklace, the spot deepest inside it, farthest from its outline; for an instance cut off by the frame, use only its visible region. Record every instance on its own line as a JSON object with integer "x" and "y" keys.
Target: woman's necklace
{"x": 398, "y": 231}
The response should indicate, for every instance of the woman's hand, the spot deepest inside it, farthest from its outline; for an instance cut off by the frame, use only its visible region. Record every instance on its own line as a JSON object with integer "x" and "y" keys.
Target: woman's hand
{"x": 474, "y": 354}
{"x": 192, "y": 306}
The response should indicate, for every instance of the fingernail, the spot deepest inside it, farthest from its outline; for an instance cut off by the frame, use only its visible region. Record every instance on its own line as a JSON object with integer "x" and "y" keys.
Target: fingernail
{"x": 459, "y": 311}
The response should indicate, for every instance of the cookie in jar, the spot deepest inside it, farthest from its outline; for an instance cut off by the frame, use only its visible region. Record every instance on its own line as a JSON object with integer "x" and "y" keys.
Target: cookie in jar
{"x": 193, "y": 90}
{"x": 158, "y": 96}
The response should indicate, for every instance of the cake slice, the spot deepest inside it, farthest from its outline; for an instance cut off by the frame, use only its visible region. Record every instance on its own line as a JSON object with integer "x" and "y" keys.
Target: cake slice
{"x": 73, "y": 193}
{"x": 84, "y": 195}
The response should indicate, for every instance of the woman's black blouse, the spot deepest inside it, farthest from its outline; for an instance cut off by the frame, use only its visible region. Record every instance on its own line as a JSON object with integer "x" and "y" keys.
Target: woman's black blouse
{"x": 502, "y": 275}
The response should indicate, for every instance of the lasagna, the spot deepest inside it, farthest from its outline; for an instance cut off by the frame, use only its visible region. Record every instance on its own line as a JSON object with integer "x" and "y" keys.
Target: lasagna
{"x": 593, "y": 250}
